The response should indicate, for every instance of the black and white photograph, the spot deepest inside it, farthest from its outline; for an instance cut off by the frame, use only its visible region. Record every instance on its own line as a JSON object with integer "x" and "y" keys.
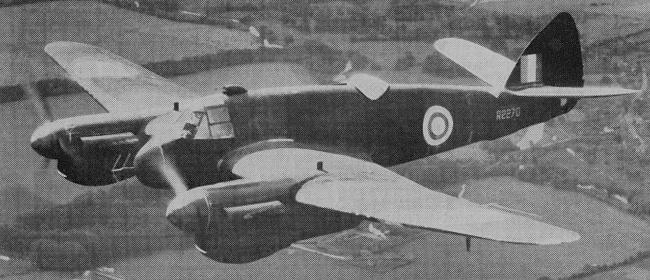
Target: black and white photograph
{"x": 324, "y": 139}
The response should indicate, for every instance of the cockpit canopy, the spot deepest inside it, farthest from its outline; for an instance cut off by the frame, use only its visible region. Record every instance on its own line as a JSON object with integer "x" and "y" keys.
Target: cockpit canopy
{"x": 213, "y": 123}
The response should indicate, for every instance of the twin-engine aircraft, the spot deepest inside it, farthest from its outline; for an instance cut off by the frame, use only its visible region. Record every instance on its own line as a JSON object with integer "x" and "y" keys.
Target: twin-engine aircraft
{"x": 256, "y": 171}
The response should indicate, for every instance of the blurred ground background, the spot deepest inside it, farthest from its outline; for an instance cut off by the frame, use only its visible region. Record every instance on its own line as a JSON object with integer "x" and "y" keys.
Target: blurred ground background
{"x": 589, "y": 173}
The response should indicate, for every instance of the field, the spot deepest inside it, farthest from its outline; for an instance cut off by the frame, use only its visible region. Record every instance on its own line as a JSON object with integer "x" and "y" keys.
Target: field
{"x": 536, "y": 8}
{"x": 141, "y": 38}
{"x": 638, "y": 271}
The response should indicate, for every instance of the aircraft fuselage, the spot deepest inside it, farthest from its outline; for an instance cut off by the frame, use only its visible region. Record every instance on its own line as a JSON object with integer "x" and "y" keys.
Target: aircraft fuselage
{"x": 408, "y": 122}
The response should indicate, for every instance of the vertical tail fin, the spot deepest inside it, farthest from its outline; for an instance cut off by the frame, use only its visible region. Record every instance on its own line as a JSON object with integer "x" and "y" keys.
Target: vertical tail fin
{"x": 553, "y": 58}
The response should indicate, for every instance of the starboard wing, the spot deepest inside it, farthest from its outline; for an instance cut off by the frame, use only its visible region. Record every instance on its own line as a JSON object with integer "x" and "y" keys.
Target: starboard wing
{"x": 403, "y": 201}
{"x": 356, "y": 186}
{"x": 116, "y": 83}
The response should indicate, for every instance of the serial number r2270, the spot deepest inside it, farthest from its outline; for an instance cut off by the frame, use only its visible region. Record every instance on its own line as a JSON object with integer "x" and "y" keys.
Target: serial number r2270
{"x": 508, "y": 113}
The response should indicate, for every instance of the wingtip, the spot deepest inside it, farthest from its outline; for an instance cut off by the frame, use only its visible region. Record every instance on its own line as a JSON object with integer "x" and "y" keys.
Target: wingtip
{"x": 59, "y": 44}
{"x": 560, "y": 236}
{"x": 444, "y": 43}
{"x": 61, "y": 47}
{"x": 574, "y": 236}
{"x": 571, "y": 236}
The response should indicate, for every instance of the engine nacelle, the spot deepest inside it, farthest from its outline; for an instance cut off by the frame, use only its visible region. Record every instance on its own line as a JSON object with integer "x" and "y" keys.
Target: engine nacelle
{"x": 193, "y": 160}
{"x": 242, "y": 221}
{"x": 94, "y": 149}
{"x": 263, "y": 229}
{"x": 93, "y": 167}
{"x": 97, "y": 160}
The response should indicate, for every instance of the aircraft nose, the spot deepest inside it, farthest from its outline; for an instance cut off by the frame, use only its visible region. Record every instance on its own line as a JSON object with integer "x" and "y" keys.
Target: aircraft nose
{"x": 188, "y": 212}
{"x": 44, "y": 141}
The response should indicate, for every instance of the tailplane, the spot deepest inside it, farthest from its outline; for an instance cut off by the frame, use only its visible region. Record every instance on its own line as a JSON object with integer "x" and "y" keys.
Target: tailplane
{"x": 550, "y": 66}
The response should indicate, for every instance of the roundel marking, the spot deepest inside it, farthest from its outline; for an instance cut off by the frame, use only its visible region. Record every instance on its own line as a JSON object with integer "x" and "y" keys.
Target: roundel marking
{"x": 437, "y": 125}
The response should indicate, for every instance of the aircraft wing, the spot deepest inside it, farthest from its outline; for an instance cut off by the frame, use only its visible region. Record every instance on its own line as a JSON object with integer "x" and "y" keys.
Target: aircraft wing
{"x": 116, "y": 83}
{"x": 359, "y": 187}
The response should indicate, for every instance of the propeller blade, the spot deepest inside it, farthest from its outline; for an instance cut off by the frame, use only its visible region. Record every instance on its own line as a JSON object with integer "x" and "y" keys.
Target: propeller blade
{"x": 171, "y": 175}
{"x": 45, "y": 163}
{"x": 40, "y": 105}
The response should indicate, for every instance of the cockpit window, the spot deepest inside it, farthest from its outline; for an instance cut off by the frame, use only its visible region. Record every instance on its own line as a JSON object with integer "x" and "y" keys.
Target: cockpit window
{"x": 218, "y": 114}
{"x": 219, "y": 122}
{"x": 192, "y": 122}
{"x": 214, "y": 123}
{"x": 198, "y": 120}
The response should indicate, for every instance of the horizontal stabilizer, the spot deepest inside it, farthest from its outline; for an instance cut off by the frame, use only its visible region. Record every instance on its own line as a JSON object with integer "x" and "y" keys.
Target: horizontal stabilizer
{"x": 573, "y": 92}
{"x": 485, "y": 64}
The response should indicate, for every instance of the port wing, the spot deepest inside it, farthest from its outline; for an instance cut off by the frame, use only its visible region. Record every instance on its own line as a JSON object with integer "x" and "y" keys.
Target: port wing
{"x": 116, "y": 83}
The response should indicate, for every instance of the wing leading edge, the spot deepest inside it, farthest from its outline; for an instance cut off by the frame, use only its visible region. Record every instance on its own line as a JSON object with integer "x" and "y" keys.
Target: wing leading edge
{"x": 116, "y": 83}
{"x": 359, "y": 187}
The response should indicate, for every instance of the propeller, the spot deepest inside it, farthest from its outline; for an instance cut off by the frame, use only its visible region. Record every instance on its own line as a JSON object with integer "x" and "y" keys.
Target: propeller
{"x": 156, "y": 166}
{"x": 172, "y": 176}
{"x": 35, "y": 96}
{"x": 40, "y": 105}
{"x": 181, "y": 212}
{"x": 42, "y": 109}
{"x": 45, "y": 163}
